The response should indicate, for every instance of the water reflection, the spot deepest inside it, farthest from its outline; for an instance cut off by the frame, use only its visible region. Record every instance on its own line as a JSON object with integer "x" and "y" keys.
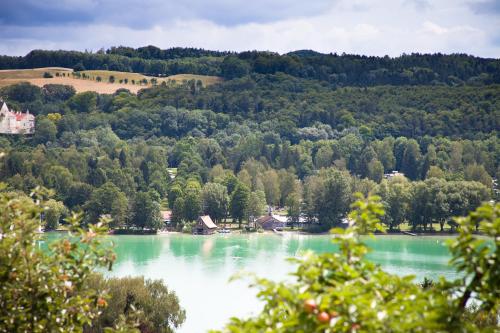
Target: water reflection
{"x": 198, "y": 267}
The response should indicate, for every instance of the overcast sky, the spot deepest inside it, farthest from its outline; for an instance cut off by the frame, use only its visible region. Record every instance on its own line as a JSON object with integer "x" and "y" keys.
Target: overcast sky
{"x": 381, "y": 27}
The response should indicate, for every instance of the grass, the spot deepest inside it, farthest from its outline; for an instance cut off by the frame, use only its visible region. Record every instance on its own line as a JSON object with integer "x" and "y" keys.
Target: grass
{"x": 205, "y": 79}
{"x": 33, "y": 73}
{"x": 35, "y": 77}
{"x": 178, "y": 78}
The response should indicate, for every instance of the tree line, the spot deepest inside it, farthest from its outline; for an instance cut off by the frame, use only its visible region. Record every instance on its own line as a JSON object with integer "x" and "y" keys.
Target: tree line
{"x": 334, "y": 69}
{"x": 114, "y": 154}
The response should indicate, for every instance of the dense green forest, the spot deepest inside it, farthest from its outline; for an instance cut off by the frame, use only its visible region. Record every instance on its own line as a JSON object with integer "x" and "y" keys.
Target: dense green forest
{"x": 332, "y": 69}
{"x": 302, "y": 131}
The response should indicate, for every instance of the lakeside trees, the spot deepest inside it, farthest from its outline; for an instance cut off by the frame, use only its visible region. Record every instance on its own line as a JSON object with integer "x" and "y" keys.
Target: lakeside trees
{"x": 273, "y": 133}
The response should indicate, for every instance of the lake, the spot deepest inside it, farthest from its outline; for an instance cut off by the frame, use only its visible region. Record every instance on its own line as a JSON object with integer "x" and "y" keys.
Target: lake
{"x": 198, "y": 268}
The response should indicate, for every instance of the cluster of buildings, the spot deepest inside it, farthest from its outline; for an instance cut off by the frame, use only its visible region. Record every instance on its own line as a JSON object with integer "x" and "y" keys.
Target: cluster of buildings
{"x": 14, "y": 122}
{"x": 205, "y": 226}
{"x": 393, "y": 174}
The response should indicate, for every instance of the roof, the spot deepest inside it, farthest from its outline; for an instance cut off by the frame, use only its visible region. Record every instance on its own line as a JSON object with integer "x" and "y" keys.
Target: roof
{"x": 281, "y": 218}
{"x": 264, "y": 219}
{"x": 207, "y": 221}
{"x": 275, "y": 218}
{"x": 4, "y": 107}
{"x": 166, "y": 215}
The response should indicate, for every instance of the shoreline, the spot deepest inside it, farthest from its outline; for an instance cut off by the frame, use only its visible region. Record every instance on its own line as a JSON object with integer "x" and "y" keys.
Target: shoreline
{"x": 278, "y": 233}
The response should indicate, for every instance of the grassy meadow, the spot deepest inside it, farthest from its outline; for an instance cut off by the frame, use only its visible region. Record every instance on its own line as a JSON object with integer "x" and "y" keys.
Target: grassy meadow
{"x": 87, "y": 80}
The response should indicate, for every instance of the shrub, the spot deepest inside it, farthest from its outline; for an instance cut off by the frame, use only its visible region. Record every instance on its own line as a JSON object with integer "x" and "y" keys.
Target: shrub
{"x": 344, "y": 292}
{"x": 47, "y": 75}
{"x": 45, "y": 291}
{"x": 158, "y": 309}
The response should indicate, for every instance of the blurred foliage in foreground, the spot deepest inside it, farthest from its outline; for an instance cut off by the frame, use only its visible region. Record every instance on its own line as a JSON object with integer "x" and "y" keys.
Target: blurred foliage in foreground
{"x": 58, "y": 291}
{"x": 344, "y": 292}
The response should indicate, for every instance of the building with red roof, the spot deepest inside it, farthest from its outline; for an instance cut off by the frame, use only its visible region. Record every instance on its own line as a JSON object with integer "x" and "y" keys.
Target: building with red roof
{"x": 13, "y": 122}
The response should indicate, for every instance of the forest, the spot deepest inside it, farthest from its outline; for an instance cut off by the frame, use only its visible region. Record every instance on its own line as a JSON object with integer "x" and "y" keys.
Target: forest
{"x": 293, "y": 139}
{"x": 331, "y": 69}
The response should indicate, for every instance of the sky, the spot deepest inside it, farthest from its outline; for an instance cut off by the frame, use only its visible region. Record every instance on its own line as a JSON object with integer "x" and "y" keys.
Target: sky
{"x": 370, "y": 27}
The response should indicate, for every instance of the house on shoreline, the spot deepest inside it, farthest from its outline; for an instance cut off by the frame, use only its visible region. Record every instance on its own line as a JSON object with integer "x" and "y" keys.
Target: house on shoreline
{"x": 271, "y": 222}
{"x": 12, "y": 122}
{"x": 204, "y": 226}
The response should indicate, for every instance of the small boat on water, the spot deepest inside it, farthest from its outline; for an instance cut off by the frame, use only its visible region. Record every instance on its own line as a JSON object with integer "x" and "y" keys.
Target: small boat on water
{"x": 224, "y": 231}
{"x": 409, "y": 233}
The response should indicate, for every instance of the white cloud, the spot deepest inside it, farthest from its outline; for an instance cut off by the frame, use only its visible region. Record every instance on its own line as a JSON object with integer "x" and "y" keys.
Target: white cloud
{"x": 359, "y": 26}
{"x": 436, "y": 29}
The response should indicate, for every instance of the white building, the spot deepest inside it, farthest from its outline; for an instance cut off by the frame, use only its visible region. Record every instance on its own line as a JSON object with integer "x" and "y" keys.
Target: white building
{"x": 393, "y": 174}
{"x": 12, "y": 122}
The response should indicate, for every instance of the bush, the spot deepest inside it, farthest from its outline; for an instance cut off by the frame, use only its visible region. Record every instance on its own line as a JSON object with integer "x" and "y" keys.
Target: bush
{"x": 47, "y": 75}
{"x": 158, "y": 309}
{"x": 187, "y": 228}
{"x": 344, "y": 292}
{"x": 45, "y": 291}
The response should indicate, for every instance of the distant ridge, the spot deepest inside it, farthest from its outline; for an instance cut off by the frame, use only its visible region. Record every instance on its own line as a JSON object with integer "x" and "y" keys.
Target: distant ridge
{"x": 335, "y": 69}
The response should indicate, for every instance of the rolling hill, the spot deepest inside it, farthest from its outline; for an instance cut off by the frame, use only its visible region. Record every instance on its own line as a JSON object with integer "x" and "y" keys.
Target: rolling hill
{"x": 87, "y": 80}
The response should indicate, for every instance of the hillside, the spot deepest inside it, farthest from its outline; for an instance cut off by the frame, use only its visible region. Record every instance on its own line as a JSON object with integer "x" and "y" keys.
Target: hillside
{"x": 296, "y": 139}
{"x": 87, "y": 80}
{"x": 334, "y": 69}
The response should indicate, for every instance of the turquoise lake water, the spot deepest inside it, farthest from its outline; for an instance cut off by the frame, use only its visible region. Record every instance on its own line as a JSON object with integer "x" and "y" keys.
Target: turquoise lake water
{"x": 198, "y": 267}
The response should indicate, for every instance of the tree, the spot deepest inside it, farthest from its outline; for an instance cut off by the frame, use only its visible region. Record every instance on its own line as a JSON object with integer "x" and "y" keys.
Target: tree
{"x": 294, "y": 208}
{"x": 429, "y": 161}
{"x": 111, "y": 79}
{"x": 270, "y": 181}
{"x": 157, "y": 307}
{"x": 84, "y": 102}
{"x": 256, "y": 206}
{"x": 23, "y": 92}
{"x": 324, "y": 157}
{"x": 107, "y": 199}
{"x": 215, "y": 201}
{"x": 410, "y": 164}
{"x": 43, "y": 291}
{"x": 287, "y": 184}
{"x": 239, "y": 202}
{"x": 58, "y": 178}
{"x": 192, "y": 201}
{"x": 344, "y": 292}
{"x": 58, "y": 92}
{"x": 178, "y": 211}
{"x": 146, "y": 212}
{"x": 477, "y": 173}
{"x": 45, "y": 131}
{"x": 232, "y": 67}
{"x": 384, "y": 150}
{"x": 328, "y": 196}
{"x": 396, "y": 197}
{"x": 78, "y": 67}
{"x": 435, "y": 172}
{"x": 52, "y": 214}
{"x": 174, "y": 192}
{"x": 375, "y": 170}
